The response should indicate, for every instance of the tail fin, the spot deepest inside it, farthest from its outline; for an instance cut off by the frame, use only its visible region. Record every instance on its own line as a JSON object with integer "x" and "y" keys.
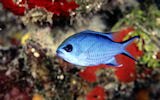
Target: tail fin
{"x": 125, "y": 43}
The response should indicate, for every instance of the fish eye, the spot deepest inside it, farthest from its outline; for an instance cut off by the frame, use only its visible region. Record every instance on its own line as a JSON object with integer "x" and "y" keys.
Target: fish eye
{"x": 68, "y": 48}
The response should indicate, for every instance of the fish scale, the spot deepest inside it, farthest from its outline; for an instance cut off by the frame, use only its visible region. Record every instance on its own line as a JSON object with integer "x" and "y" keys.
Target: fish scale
{"x": 99, "y": 49}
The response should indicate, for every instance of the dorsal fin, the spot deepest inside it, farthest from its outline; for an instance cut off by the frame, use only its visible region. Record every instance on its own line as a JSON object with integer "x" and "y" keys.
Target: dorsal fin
{"x": 108, "y": 35}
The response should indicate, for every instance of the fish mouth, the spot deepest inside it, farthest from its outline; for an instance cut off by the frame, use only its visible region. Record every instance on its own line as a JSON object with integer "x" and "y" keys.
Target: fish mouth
{"x": 59, "y": 53}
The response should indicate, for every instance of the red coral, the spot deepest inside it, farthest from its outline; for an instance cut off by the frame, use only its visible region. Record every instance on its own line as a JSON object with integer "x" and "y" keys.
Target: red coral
{"x": 60, "y": 7}
{"x": 13, "y": 7}
{"x": 55, "y": 8}
{"x": 127, "y": 72}
{"x": 67, "y": 7}
{"x": 98, "y": 93}
{"x": 118, "y": 36}
{"x": 39, "y": 3}
{"x": 89, "y": 73}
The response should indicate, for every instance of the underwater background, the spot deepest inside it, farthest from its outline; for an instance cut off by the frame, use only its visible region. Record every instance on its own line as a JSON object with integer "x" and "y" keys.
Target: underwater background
{"x": 31, "y": 31}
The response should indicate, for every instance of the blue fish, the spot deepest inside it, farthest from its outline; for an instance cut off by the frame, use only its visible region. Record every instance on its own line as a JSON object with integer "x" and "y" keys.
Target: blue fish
{"x": 90, "y": 48}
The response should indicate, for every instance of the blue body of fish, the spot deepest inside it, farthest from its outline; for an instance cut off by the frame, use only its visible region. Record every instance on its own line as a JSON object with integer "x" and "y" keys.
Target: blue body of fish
{"x": 89, "y": 48}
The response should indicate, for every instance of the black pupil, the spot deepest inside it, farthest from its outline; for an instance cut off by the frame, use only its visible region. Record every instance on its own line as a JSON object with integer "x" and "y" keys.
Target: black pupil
{"x": 68, "y": 48}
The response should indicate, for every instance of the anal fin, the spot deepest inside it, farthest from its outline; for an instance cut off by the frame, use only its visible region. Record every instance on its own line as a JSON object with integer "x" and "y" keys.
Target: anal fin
{"x": 113, "y": 62}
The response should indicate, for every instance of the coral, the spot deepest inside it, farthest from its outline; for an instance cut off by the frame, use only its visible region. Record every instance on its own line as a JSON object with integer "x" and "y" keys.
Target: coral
{"x": 31, "y": 31}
